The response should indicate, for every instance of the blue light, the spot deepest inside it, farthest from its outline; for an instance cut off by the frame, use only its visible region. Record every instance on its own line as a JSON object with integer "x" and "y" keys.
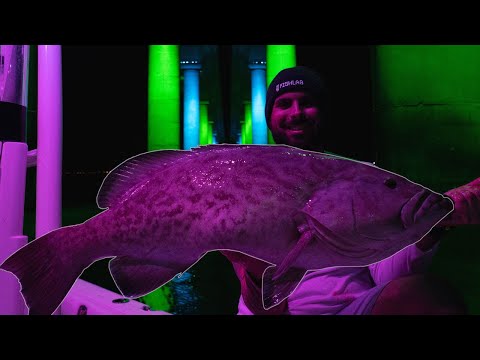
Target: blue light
{"x": 259, "y": 124}
{"x": 191, "y": 108}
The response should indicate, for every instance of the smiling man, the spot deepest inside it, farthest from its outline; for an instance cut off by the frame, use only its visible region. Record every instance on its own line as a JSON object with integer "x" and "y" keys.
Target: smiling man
{"x": 297, "y": 114}
{"x": 296, "y": 108}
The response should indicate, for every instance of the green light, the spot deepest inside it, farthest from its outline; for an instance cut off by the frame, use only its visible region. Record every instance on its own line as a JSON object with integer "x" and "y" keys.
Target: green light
{"x": 210, "y": 132}
{"x": 163, "y": 97}
{"x": 429, "y": 74}
{"x": 160, "y": 299}
{"x": 427, "y": 107}
{"x": 204, "y": 128}
{"x": 248, "y": 123}
{"x": 430, "y": 95}
{"x": 279, "y": 57}
{"x": 242, "y": 133}
{"x": 163, "y": 126}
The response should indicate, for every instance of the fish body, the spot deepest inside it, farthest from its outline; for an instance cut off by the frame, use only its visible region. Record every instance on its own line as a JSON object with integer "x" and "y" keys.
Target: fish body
{"x": 293, "y": 209}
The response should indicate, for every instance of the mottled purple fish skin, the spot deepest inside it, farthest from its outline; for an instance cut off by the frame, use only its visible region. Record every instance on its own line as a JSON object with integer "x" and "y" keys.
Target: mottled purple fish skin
{"x": 233, "y": 197}
{"x": 226, "y": 198}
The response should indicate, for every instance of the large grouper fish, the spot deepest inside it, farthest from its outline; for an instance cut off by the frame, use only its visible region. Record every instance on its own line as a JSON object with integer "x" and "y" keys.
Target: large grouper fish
{"x": 296, "y": 210}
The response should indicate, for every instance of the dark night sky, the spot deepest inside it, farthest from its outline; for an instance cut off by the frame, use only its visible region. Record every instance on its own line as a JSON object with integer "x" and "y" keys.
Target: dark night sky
{"x": 105, "y": 105}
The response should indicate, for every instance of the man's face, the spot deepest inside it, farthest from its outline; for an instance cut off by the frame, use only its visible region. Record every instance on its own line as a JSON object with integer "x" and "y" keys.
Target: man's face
{"x": 295, "y": 120}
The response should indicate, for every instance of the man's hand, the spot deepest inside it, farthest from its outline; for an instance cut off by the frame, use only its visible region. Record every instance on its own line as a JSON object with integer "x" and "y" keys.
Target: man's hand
{"x": 467, "y": 205}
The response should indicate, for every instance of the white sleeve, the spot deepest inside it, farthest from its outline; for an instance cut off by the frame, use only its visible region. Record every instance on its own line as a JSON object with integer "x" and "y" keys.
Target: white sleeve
{"x": 408, "y": 261}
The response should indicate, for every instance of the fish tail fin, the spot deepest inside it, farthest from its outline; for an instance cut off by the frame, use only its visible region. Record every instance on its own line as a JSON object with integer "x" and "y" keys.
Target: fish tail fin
{"x": 45, "y": 274}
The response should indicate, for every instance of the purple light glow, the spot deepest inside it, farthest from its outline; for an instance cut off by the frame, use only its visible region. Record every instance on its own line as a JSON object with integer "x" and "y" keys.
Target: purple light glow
{"x": 49, "y": 164}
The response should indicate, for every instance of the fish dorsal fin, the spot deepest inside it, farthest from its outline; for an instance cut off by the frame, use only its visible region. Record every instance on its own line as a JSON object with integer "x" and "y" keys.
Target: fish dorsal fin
{"x": 211, "y": 147}
{"x": 132, "y": 172}
{"x": 220, "y": 147}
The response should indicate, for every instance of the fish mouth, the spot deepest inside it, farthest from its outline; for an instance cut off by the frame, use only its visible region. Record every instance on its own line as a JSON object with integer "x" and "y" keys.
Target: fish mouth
{"x": 422, "y": 204}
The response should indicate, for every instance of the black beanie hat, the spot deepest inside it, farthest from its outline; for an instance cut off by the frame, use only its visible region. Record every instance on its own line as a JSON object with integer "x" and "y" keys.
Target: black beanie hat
{"x": 299, "y": 78}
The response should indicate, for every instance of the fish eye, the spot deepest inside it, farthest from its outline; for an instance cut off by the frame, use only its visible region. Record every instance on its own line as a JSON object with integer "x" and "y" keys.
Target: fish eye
{"x": 390, "y": 183}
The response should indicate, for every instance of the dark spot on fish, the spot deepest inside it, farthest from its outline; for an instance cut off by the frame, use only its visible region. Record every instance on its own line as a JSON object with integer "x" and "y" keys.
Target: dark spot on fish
{"x": 142, "y": 196}
{"x": 138, "y": 217}
{"x": 242, "y": 233}
{"x": 195, "y": 215}
{"x": 209, "y": 204}
{"x": 251, "y": 199}
{"x": 168, "y": 201}
{"x": 184, "y": 180}
{"x": 175, "y": 211}
{"x": 219, "y": 209}
{"x": 224, "y": 196}
{"x": 241, "y": 185}
{"x": 268, "y": 191}
{"x": 158, "y": 196}
{"x": 259, "y": 172}
{"x": 168, "y": 228}
{"x": 195, "y": 198}
{"x": 243, "y": 220}
{"x": 155, "y": 225}
{"x": 390, "y": 183}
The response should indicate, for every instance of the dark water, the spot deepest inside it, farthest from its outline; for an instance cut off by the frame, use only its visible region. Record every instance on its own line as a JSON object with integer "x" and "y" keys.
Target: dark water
{"x": 13, "y": 118}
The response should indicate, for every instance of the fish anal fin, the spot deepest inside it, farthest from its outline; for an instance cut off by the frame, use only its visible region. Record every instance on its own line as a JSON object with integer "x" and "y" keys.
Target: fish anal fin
{"x": 135, "y": 278}
{"x": 276, "y": 291}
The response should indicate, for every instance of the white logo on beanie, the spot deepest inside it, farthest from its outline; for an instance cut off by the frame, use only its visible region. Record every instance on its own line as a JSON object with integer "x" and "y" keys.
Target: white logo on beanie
{"x": 288, "y": 83}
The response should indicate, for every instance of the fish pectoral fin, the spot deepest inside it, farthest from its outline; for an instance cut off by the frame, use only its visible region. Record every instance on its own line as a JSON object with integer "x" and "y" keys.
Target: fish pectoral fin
{"x": 135, "y": 277}
{"x": 276, "y": 291}
{"x": 305, "y": 239}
